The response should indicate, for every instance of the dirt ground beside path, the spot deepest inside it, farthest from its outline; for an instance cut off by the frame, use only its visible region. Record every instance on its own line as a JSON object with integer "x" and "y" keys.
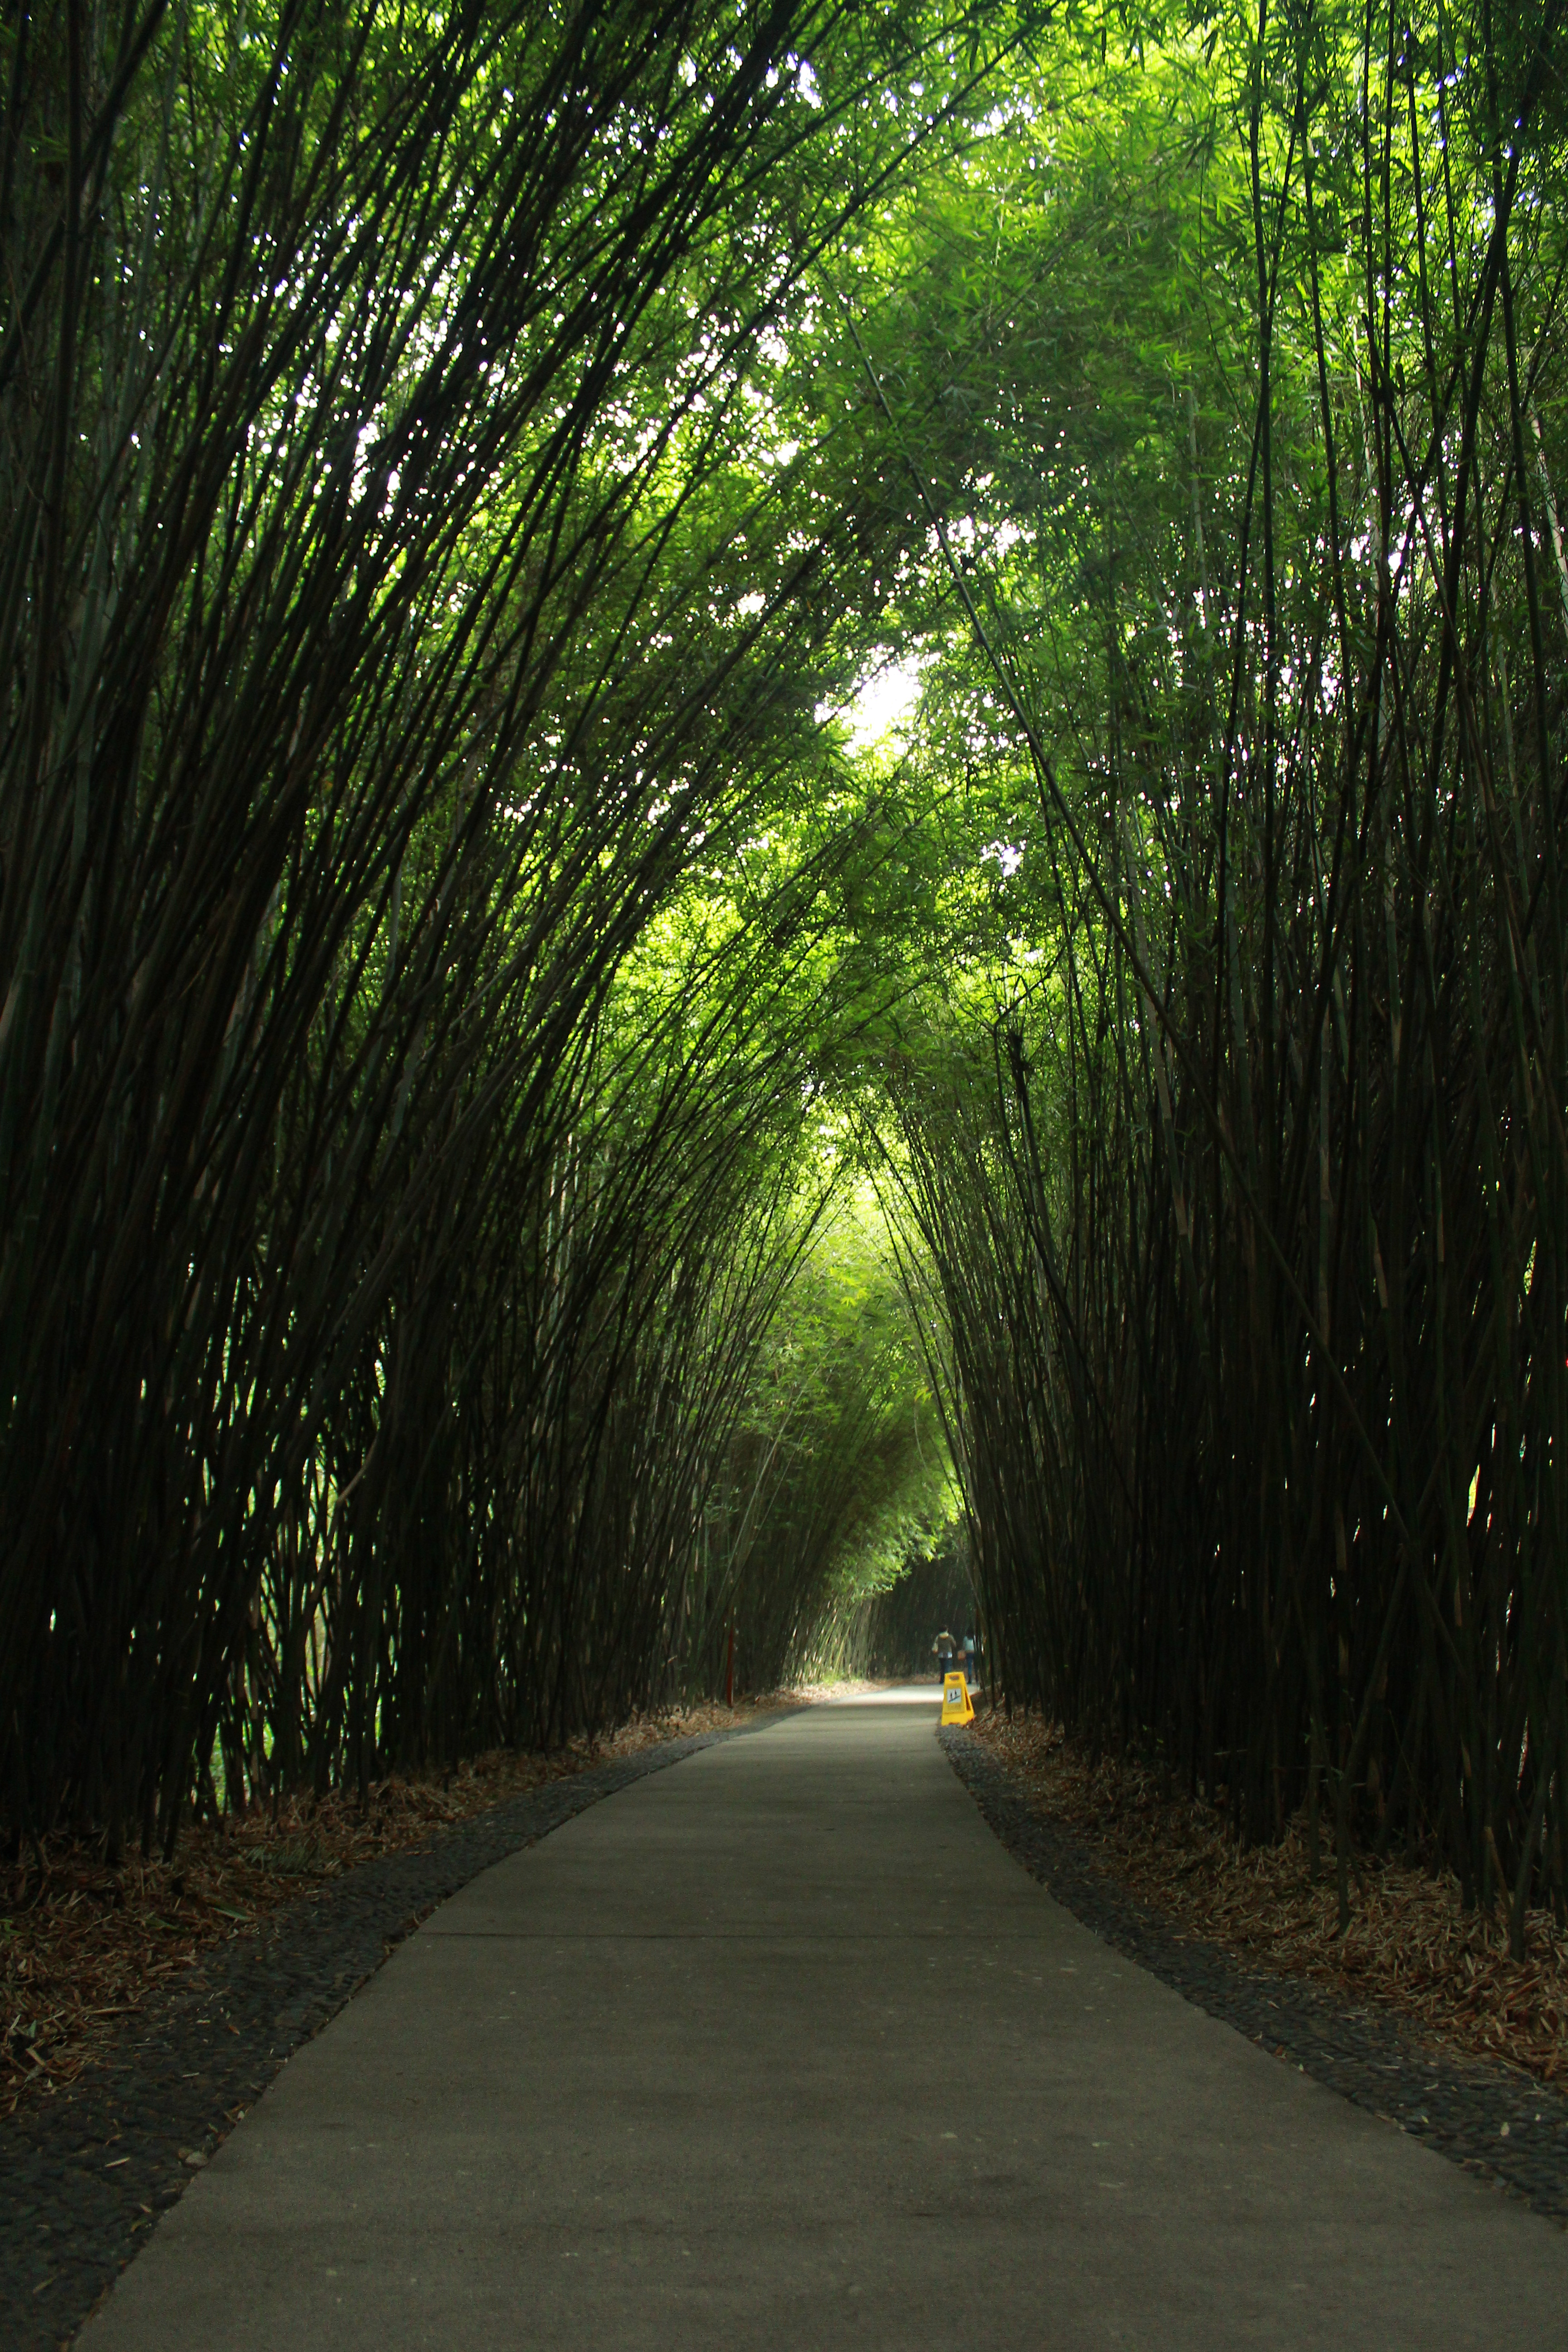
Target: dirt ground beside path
{"x": 1410, "y": 1943}
{"x": 82, "y": 1945}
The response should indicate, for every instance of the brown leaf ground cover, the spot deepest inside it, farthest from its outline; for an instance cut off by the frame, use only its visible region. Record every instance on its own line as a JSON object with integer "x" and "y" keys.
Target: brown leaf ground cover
{"x": 82, "y": 1945}
{"x": 1410, "y": 1943}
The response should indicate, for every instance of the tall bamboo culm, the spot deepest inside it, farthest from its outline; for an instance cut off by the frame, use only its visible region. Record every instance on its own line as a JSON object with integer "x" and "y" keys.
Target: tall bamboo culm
{"x": 1248, "y": 1223}
{"x": 380, "y": 495}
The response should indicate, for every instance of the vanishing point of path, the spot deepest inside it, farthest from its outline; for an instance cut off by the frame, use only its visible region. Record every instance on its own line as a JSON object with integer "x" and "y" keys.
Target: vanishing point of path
{"x": 779, "y": 2049}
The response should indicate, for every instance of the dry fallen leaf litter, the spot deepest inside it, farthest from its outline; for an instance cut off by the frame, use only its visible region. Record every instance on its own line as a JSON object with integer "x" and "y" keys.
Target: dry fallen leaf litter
{"x": 1410, "y": 1944}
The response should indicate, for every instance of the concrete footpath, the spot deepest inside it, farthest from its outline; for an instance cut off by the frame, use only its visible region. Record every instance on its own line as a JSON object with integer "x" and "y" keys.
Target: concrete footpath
{"x": 779, "y": 2049}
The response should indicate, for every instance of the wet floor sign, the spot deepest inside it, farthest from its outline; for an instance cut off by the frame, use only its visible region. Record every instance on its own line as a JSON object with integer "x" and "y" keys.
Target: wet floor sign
{"x": 955, "y": 1706}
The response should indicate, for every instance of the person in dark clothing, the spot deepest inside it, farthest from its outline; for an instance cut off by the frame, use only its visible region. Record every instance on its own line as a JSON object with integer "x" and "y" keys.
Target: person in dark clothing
{"x": 943, "y": 1647}
{"x": 969, "y": 1658}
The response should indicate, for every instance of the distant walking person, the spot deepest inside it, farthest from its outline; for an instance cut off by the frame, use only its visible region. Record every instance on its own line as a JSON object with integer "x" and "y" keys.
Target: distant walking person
{"x": 943, "y": 1647}
{"x": 969, "y": 1657}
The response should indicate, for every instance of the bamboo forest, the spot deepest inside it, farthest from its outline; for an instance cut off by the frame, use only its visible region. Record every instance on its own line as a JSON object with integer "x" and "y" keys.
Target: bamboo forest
{"x": 782, "y": 822}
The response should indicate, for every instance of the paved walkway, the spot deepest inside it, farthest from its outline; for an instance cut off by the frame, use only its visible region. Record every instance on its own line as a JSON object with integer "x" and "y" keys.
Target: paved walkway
{"x": 779, "y": 2049}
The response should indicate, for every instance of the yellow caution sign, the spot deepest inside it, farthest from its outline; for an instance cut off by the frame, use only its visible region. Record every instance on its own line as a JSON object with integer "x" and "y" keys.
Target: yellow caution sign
{"x": 955, "y": 1706}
